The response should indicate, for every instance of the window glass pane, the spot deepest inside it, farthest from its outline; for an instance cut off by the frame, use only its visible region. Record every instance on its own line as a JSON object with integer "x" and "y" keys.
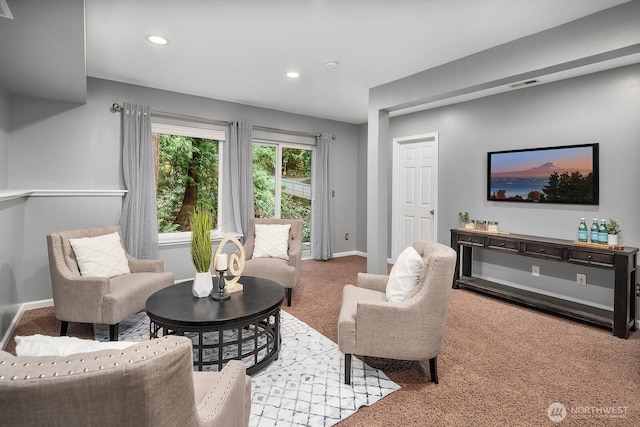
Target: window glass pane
{"x": 282, "y": 184}
{"x": 264, "y": 180}
{"x": 187, "y": 176}
{"x": 295, "y": 200}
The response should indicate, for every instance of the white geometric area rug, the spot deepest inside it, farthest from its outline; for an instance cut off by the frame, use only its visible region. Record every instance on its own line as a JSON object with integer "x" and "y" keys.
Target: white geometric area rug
{"x": 305, "y": 386}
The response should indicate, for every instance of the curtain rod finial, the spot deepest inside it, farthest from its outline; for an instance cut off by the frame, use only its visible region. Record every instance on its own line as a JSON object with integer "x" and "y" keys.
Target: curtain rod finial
{"x": 115, "y": 107}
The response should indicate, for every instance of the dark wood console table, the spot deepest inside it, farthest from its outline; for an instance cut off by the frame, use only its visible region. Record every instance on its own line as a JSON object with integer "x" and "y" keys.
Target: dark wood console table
{"x": 623, "y": 262}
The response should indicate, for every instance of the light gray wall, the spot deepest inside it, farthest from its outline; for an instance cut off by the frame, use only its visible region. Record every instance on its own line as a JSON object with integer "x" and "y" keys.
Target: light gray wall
{"x": 53, "y": 66}
{"x": 61, "y": 145}
{"x": 602, "y": 107}
{"x": 4, "y": 137}
{"x": 613, "y": 34}
{"x": 361, "y": 209}
{"x": 65, "y": 146}
{"x": 46, "y": 214}
{"x": 344, "y": 167}
{"x": 11, "y": 250}
{"x": 11, "y": 218}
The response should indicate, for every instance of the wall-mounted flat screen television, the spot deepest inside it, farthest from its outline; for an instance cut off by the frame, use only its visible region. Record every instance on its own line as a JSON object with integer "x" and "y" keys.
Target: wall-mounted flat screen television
{"x": 566, "y": 174}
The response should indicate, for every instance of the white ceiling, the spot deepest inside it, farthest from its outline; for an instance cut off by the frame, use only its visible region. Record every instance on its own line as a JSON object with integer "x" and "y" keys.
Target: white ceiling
{"x": 240, "y": 50}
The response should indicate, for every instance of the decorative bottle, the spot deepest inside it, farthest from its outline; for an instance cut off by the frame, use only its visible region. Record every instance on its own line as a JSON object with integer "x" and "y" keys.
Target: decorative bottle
{"x": 582, "y": 231}
{"x": 595, "y": 231}
{"x": 602, "y": 233}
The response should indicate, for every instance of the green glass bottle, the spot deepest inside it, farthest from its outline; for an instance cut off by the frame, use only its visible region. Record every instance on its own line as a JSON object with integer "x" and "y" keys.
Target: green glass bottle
{"x": 602, "y": 232}
{"x": 582, "y": 231}
{"x": 595, "y": 233}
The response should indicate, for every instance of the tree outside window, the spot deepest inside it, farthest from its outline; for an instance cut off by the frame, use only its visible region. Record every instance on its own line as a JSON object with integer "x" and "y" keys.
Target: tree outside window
{"x": 187, "y": 176}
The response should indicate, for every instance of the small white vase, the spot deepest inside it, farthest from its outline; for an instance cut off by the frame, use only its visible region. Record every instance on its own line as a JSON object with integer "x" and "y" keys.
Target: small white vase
{"x": 202, "y": 284}
{"x": 612, "y": 239}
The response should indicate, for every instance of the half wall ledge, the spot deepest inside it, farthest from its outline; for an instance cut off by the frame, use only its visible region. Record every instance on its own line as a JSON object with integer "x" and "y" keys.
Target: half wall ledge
{"x": 6, "y": 195}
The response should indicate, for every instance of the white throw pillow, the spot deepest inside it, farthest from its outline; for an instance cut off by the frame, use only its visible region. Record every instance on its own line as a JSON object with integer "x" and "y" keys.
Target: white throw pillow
{"x": 272, "y": 241}
{"x": 44, "y": 345}
{"x": 101, "y": 256}
{"x": 404, "y": 275}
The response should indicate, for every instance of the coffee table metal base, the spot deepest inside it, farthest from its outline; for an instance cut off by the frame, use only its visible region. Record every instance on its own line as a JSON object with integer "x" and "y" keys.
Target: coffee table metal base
{"x": 255, "y": 340}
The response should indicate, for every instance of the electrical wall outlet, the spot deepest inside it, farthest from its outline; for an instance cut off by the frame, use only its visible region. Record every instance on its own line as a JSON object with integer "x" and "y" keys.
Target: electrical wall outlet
{"x": 346, "y": 236}
{"x": 581, "y": 279}
{"x": 535, "y": 271}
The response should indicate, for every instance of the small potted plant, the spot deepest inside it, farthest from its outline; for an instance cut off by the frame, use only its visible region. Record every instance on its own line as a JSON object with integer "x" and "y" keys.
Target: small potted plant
{"x": 463, "y": 217}
{"x": 613, "y": 229}
{"x": 201, "y": 222}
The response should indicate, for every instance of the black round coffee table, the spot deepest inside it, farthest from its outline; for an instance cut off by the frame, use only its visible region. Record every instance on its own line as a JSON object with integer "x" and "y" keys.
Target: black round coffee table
{"x": 245, "y": 327}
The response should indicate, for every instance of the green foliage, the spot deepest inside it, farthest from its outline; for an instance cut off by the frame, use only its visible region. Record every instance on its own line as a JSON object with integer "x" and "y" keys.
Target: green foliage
{"x": 568, "y": 187}
{"x": 296, "y": 163}
{"x": 613, "y": 226}
{"x": 264, "y": 158}
{"x": 264, "y": 161}
{"x": 297, "y": 208}
{"x": 463, "y": 216}
{"x": 201, "y": 222}
{"x": 184, "y": 162}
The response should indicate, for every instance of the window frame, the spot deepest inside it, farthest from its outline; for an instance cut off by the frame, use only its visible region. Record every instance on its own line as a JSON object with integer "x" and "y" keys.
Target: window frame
{"x": 217, "y": 133}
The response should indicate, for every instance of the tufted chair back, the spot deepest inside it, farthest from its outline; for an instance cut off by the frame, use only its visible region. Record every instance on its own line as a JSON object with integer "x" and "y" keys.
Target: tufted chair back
{"x": 148, "y": 384}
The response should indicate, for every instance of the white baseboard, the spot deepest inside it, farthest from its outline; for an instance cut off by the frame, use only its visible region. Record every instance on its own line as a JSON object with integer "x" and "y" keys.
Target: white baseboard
{"x": 349, "y": 253}
{"x": 23, "y": 307}
{"x": 358, "y": 253}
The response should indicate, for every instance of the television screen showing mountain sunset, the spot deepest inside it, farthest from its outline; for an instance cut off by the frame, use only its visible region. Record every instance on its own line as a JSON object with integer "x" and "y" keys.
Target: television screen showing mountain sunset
{"x": 558, "y": 175}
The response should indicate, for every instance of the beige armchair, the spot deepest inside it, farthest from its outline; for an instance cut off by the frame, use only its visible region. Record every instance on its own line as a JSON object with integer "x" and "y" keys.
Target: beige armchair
{"x": 98, "y": 299}
{"x": 414, "y": 329}
{"x": 281, "y": 271}
{"x": 151, "y": 383}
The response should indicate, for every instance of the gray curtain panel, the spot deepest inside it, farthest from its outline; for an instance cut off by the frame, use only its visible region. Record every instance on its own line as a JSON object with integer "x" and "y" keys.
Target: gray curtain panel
{"x": 139, "y": 218}
{"x": 240, "y": 162}
{"x": 320, "y": 213}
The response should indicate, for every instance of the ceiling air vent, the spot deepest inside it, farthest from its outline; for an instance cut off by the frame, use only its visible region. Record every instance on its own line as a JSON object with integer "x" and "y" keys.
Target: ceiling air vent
{"x": 4, "y": 10}
{"x": 520, "y": 84}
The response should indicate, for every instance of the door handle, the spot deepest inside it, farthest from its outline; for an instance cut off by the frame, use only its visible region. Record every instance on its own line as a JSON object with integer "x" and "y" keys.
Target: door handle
{"x": 432, "y": 212}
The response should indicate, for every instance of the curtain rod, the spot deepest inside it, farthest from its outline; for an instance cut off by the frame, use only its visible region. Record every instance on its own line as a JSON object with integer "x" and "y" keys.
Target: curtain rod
{"x": 115, "y": 108}
{"x": 287, "y": 132}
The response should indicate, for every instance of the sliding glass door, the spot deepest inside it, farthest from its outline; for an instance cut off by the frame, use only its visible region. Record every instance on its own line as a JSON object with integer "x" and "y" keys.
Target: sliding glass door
{"x": 282, "y": 184}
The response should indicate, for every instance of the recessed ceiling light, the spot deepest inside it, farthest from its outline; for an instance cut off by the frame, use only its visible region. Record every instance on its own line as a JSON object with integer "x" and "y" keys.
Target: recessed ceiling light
{"x": 157, "y": 40}
{"x": 293, "y": 74}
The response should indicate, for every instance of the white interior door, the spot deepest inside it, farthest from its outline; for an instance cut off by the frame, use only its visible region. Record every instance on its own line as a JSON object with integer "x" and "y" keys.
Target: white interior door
{"x": 415, "y": 185}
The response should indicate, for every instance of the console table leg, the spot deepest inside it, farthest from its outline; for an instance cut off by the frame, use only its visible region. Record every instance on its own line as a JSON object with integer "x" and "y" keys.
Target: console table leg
{"x": 623, "y": 298}
{"x": 466, "y": 260}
